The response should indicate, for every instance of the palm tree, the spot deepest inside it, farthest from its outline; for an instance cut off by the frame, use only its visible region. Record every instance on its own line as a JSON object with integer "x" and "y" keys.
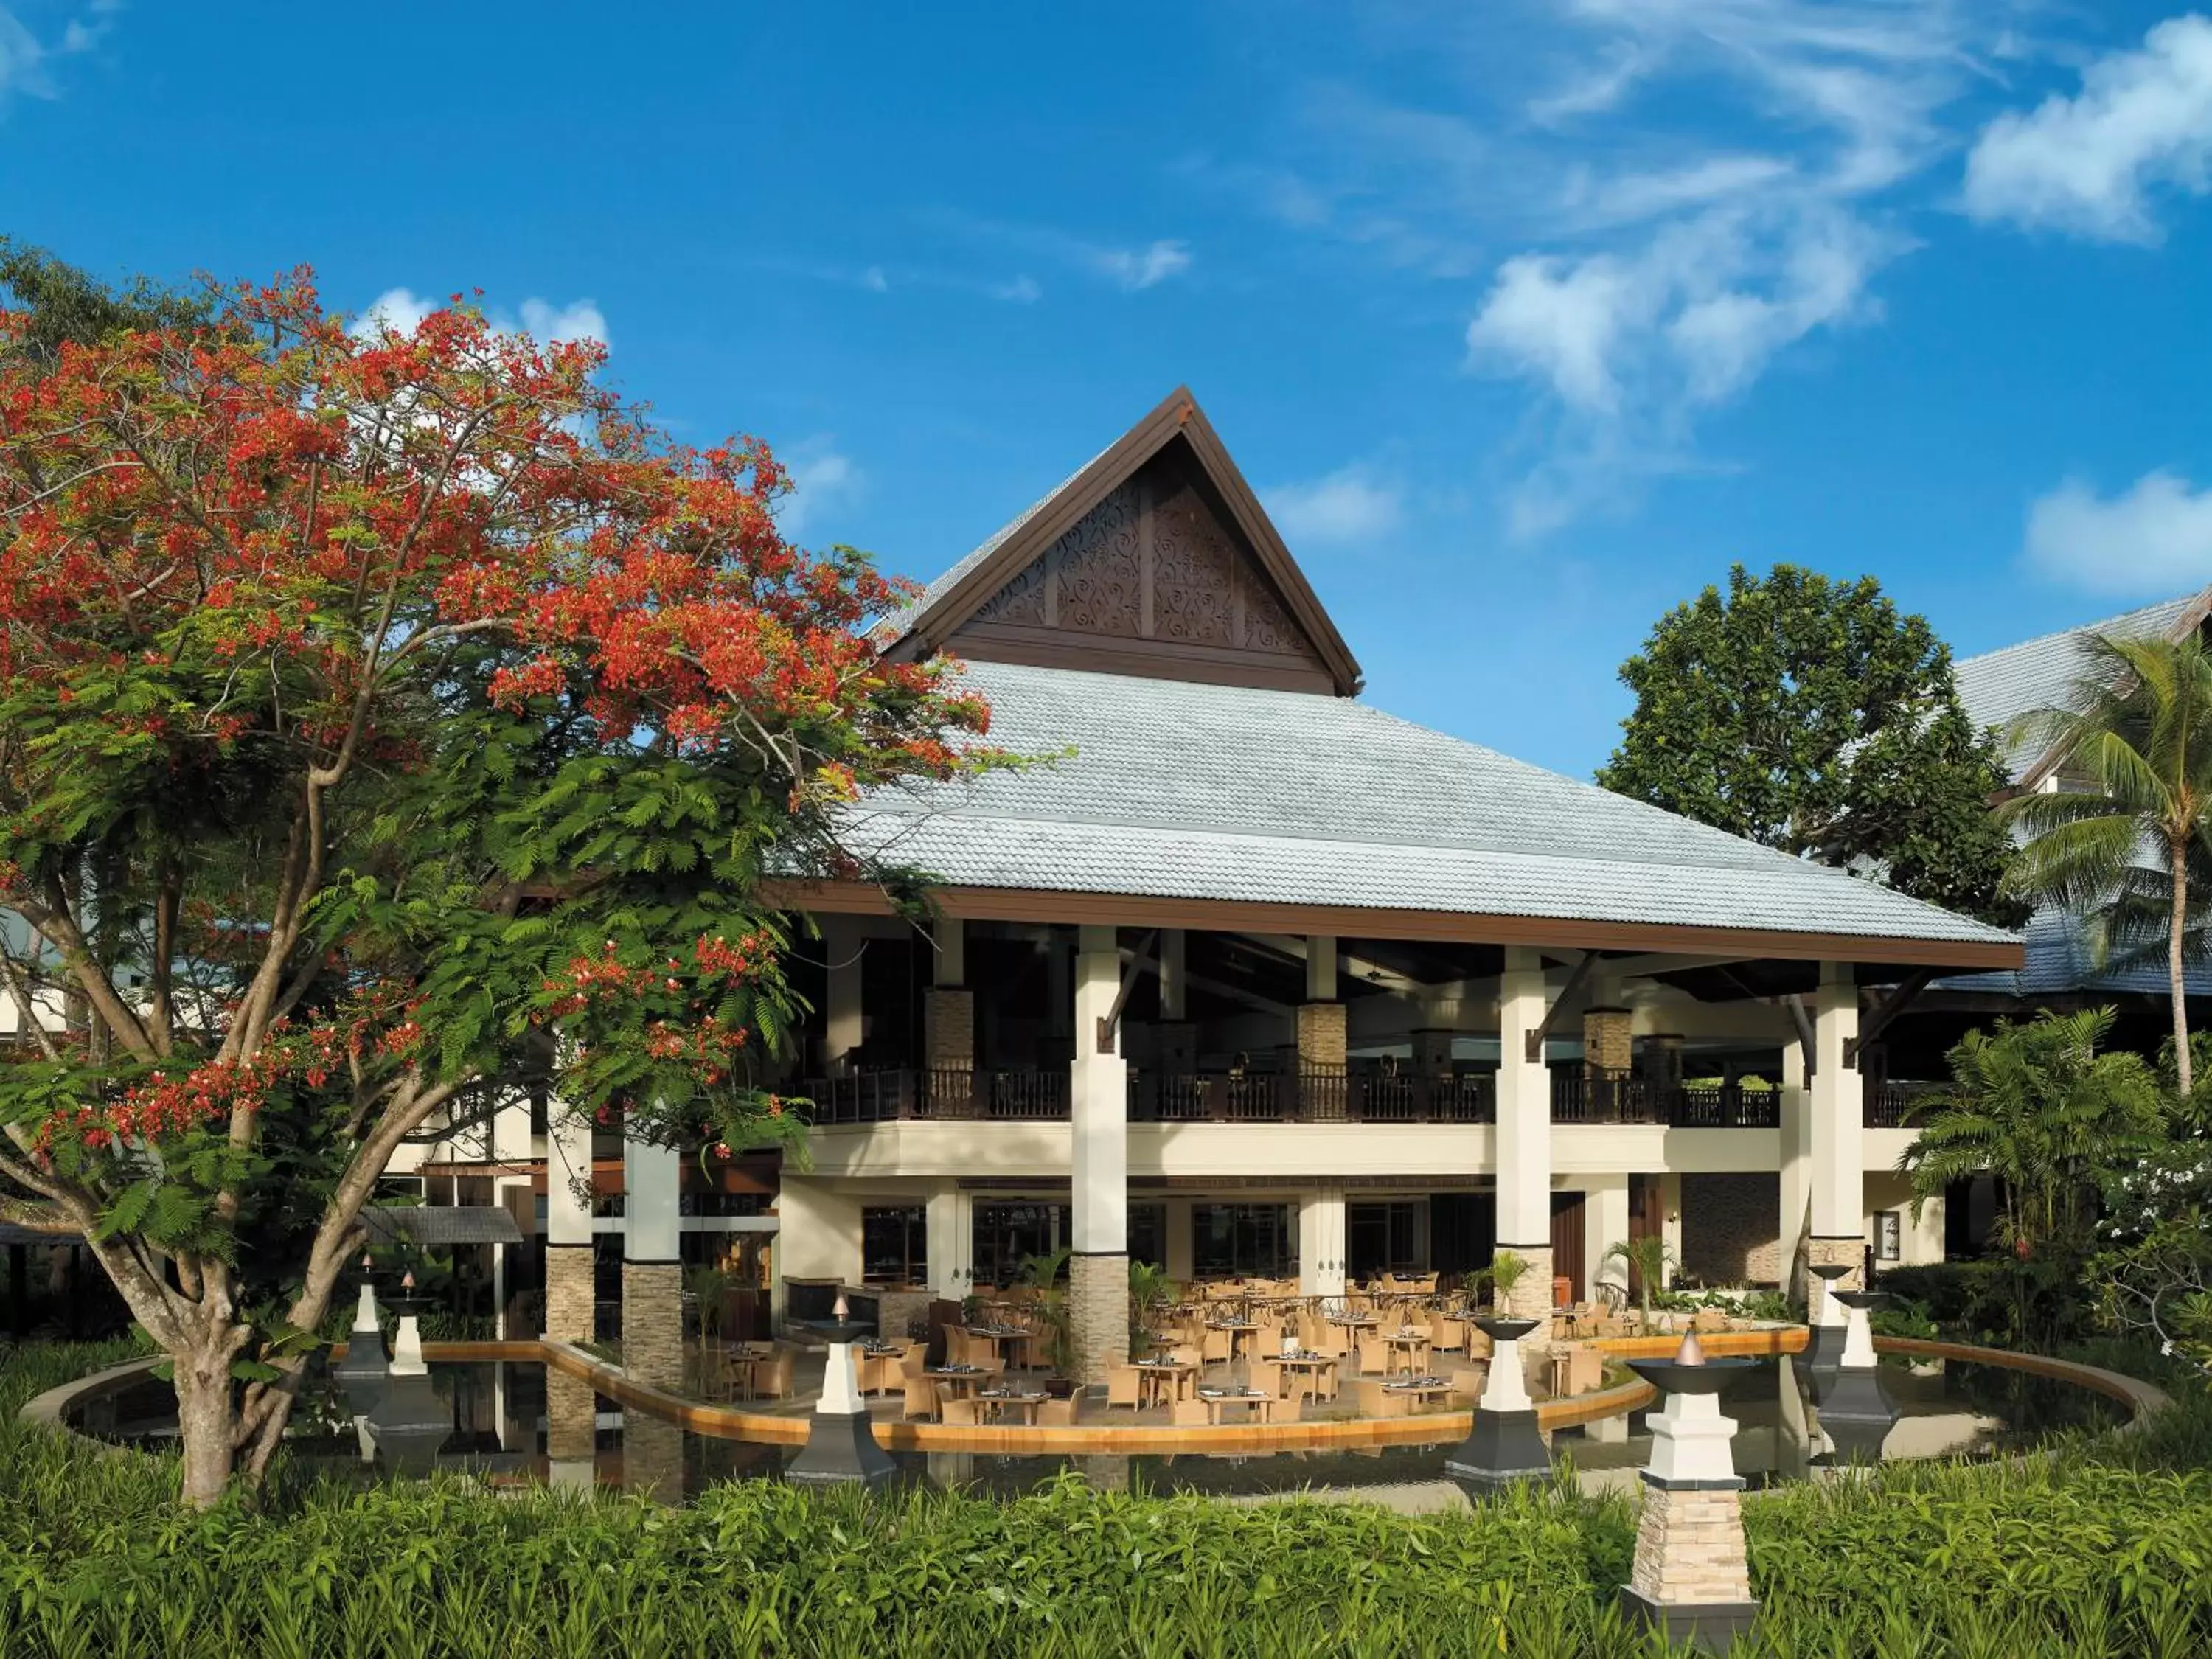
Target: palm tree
{"x": 2038, "y": 1107}
{"x": 1648, "y": 1258}
{"x": 2134, "y": 806}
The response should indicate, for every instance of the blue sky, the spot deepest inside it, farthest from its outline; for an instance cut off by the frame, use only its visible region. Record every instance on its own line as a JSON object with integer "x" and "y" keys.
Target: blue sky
{"x": 1526, "y": 319}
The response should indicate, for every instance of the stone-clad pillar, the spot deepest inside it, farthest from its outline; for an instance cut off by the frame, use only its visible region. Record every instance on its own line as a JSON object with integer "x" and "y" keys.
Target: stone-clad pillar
{"x": 1524, "y": 1138}
{"x": 1098, "y": 1108}
{"x": 652, "y": 1268}
{"x": 1837, "y": 1132}
{"x": 569, "y": 1297}
{"x": 948, "y": 1026}
{"x": 1608, "y": 1045}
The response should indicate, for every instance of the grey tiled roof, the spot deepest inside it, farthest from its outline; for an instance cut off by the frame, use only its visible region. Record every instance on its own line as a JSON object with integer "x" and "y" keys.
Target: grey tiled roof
{"x": 1182, "y": 790}
{"x": 1999, "y": 686}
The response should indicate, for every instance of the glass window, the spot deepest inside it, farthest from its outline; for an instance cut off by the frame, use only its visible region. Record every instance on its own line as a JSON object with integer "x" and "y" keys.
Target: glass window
{"x": 1242, "y": 1241}
{"x": 894, "y": 1245}
{"x": 1148, "y": 1234}
{"x": 1006, "y": 1235}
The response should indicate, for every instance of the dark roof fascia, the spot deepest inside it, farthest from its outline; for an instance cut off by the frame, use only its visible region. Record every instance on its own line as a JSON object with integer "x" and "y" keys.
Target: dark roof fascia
{"x": 1177, "y": 416}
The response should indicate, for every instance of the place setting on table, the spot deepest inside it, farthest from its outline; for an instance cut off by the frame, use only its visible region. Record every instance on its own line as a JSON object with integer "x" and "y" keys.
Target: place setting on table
{"x": 1002, "y": 1402}
{"x": 959, "y": 1374}
{"x": 1161, "y": 1370}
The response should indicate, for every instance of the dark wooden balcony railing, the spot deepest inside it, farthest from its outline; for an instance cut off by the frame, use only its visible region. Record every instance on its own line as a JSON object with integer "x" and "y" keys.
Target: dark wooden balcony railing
{"x": 1359, "y": 1096}
{"x": 1890, "y": 1105}
{"x": 887, "y": 1096}
{"x": 1307, "y": 1097}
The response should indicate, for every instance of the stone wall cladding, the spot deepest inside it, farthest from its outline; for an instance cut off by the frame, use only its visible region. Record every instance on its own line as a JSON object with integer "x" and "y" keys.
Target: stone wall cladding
{"x": 569, "y": 1298}
{"x": 653, "y": 1322}
{"x": 1098, "y": 1314}
{"x": 1731, "y": 1229}
{"x": 1532, "y": 1299}
{"x": 1608, "y": 1040}
{"x": 948, "y": 1029}
{"x": 1689, "y": 1548}
{"x": 1321, "y": 1037}
{"x": 1851, "y": 1252}
{"x": 571, "y": 1432}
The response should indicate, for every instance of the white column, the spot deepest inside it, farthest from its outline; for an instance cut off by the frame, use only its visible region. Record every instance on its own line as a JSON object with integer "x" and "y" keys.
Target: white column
{"x": 1098, "y": 1099}
{"x": 1320, "y": 968}
{"x": 1174, "y": 975}
{"x": 1321, "y": 1242}
{"x": 652, "y": 1224}
{"x": 1837, "y": 1130}
{"x": 841, "y": 943}
{"x": 951, "y": 1243}
{"x": 950, "y": 935}
{"x": 1796, "y": 1119}
{"x": 1524, "y": 1119}
{"x": 1605, "y": 1223}
{"x": 567, "y": 1178}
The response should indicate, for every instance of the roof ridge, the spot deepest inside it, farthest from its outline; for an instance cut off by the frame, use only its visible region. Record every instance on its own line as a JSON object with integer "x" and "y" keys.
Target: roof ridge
{"x": 2080, "y": 629}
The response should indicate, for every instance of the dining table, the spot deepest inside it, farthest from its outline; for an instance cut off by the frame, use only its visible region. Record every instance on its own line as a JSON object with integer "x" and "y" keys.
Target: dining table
{"x": 1005, "y": 1339}
{"x": 1240, "y": 1333}
{"x": 1420, "y": 1393}
{"x": 1313, "y": 1373}
{"x": 1020, "y": 1405}
{"x": 961, "y": 1379}
{"x": 1408, "y": 1350}
{"x": 1257, "y": 1405}
{"x": 1166, "y": 1379}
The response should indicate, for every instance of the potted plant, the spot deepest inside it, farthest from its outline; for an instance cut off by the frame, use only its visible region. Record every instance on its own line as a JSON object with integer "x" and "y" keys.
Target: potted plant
{"x": 1049, "y": 1316}
{"x": 1151, "y": 1291}
{"x": 1505, "y": 1271}
{"x": 1648, "y": 1260}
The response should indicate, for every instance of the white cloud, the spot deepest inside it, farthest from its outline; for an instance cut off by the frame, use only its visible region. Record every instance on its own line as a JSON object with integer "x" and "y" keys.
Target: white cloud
{"x": 1022, "y": 290}
{"x": 402, "y": 310}
{"x": 578, "y": 320}
{"x": 1349, "y": 505}
{"x": 2155, "y": 538}
{"x": 1137, "y": 269}
{"x": 1659, "y": 200}
{"x": 2088, "y": 164}
{"x": 22, "y": 60}
{"x": 1690, "y": 319}
{"x": 823, "y": 480}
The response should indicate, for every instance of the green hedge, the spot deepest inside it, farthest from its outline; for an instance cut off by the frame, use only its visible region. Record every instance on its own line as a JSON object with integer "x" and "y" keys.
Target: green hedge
{"x": 2101, "y": 1550}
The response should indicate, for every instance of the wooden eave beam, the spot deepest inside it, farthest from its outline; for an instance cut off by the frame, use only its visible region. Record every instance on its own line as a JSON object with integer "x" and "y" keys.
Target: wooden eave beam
{"x": 1533, "y": 1049}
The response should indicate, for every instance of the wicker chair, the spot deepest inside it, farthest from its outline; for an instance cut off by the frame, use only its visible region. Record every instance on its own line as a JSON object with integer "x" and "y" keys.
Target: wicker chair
{"x": 921, "y": 1398}
{"x": 1124, "y": 1387}
{"x": 1061, "y": 1414}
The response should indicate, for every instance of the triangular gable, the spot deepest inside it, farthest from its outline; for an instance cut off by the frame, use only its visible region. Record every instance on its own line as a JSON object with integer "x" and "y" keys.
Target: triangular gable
{"x": 1156, "y": 559}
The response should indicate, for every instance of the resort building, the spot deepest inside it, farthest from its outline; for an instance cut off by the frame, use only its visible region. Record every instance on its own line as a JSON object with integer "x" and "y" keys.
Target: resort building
{"x": 1250, "y": 977}
{"x": 1246, "y": 977}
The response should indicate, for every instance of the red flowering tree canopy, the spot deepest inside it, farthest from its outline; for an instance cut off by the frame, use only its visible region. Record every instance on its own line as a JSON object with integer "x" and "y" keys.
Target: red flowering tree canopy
{"x": 389, "y": 721}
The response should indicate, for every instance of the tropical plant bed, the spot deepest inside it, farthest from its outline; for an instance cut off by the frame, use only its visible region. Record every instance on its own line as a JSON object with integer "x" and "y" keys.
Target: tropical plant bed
{"x": 2097, "y": 1550}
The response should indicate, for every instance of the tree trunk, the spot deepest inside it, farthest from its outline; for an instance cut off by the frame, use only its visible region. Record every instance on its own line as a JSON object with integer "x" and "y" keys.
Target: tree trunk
{"x": 2176, "y": 930}
{"x": 207, "y": 1419}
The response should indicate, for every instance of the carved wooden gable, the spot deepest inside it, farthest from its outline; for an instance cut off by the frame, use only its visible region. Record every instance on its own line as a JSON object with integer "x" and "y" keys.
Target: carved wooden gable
{"x": 1151, "y": 580}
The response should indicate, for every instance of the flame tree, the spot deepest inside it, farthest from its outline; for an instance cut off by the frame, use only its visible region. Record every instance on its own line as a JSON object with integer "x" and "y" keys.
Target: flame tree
{"x": 387, "y": 720}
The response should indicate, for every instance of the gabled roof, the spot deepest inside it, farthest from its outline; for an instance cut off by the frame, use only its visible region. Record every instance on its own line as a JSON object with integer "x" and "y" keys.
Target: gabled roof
{"x": 1345, "y": 819}
{"x": 954, "y": 597}
{"x": 1999, "y": 686}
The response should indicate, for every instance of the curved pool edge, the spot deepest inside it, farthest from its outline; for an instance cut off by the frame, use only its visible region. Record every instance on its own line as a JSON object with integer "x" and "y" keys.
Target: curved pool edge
{"x": 2143, "y": 1400}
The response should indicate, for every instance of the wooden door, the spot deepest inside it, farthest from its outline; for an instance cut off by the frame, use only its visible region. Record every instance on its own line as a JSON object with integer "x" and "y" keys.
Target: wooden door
{"x": 1567, "y": 1244}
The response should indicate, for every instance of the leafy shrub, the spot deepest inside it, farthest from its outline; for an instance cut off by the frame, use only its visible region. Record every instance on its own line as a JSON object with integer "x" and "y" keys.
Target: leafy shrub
{"x": 2097, "y": 1550}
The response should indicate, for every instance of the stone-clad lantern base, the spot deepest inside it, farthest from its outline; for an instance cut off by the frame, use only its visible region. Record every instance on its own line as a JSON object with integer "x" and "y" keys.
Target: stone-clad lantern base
{"x": 1690, "y": 1580}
